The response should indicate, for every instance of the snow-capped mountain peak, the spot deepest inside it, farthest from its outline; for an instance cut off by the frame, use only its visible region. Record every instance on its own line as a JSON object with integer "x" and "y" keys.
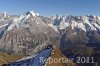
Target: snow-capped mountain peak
{"x": 86, "y": 23}
{"x": 5, "y": 14}
{"x": 22, "y": 19}
{"x": 30, "y": 33}
{"x": 34, "y": 14}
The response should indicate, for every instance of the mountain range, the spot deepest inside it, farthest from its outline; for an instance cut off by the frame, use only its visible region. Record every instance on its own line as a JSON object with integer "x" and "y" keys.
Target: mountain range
{"x": 31, "y": 33}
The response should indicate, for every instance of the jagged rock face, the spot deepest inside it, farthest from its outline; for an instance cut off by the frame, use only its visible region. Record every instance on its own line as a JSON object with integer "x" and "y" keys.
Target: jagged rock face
{"x": 24, "y": 33}
{"x": 77, "y": 30}
{"x": 21, "y": 34}
{"x": 71, "y": 38}
{"x": 86, "y": 23}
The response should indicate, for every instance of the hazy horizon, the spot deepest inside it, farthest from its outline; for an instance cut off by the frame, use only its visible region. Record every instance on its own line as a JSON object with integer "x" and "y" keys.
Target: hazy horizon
{"x": 52, "y": 7}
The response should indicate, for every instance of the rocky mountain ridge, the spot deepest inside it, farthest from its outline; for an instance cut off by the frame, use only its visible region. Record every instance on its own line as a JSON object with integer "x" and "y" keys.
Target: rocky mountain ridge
{"x": 25, "y": 32}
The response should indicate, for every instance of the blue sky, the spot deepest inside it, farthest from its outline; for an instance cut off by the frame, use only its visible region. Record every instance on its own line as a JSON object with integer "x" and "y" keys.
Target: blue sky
{"x": 52, "y": 7}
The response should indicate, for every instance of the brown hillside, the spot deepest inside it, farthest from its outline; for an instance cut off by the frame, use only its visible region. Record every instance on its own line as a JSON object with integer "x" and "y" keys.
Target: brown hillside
{"x": 6, "y": 58}
{"x": 57, "y": 54}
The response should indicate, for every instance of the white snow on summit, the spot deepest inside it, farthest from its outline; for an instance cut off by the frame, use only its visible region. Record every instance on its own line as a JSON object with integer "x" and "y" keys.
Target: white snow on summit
{"x": 57, "y": 22}
{"x": 89, "y": 24}
{"x": 85, "y": 23}
{"x": 34, "y": 14}
{"x": 22, "y": 19}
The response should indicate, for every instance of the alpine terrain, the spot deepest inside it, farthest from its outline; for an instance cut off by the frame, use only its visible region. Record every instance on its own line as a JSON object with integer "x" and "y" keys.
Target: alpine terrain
{"x": 33, "y": 36}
